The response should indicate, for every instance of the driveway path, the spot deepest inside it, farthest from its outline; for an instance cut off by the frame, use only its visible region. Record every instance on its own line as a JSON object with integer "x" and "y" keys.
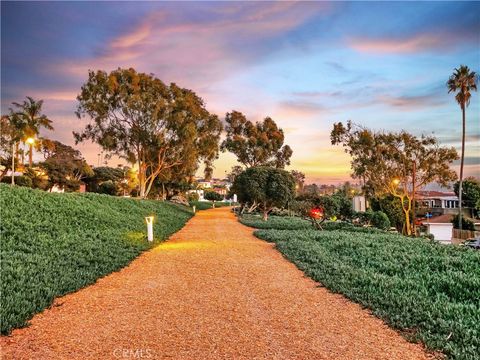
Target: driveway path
{"x": 213, "y": 291}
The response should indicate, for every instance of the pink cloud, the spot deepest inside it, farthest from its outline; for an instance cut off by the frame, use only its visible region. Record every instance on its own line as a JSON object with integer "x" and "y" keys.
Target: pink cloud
{"x": 410, "y": 103}
{"x": 417, "y": 43}
{"x": 190, "y": 53}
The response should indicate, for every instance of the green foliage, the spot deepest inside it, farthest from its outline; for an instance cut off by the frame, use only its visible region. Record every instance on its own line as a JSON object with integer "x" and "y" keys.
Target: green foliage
{"x": 65, "y": 167}
{"x": 107, "y": 187}
{"x": 276, "y": 222}
{"x": 266, "y": 186}
{"x": 193, "y": 196}
{"x": 259, "y": 144}
{"x": 427, "y": 289}
{"x": 212, "y": 196}
{"x": 19, "y": 180}
{"x": 380, "y": 220}
{"x": 53, "y": 244}
{"x": 344, "y": 203}
{"x": 297, "y": 223}
{"x": 466, "y": 223}
{"x": 381, "y": 158}
{"x": 164, "y": 128}
{"x": 390, "y": 206}
{"x": 331, "y": 204}
{"x": 108, "y": 180}
{"x": 470, "y": 194}
{"x": 205, "y": 205}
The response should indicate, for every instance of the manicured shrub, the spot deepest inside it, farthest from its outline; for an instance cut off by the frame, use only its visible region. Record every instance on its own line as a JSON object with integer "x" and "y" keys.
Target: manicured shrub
{"x": 213, "y": 196}
{"x": 264, "y": 186}
{"x": 53, "y": 244}
{"x": 380, "y": 220}
{"x": 107, "y": 187}
{"x": 19, "y": 181}
{"x": 427, "y": 289}
{"x": 193, "y": 196}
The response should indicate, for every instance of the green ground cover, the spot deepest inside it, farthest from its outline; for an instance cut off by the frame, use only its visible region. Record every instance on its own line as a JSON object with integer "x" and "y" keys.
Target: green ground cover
{"x": 205, "y": 205}
{"x": 53, "y": 244}
{"x": 430, "y": 292}
{"x": 297, "y": 223}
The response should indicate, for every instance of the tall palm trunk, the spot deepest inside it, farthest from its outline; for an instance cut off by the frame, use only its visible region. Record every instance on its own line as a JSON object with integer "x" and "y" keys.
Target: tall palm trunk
{"x": 460, "y": 185}
{"x": 30, "y": 156}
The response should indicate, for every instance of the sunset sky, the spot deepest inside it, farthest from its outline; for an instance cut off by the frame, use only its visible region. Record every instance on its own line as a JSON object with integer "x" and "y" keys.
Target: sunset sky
{"x": 306, "y": 65}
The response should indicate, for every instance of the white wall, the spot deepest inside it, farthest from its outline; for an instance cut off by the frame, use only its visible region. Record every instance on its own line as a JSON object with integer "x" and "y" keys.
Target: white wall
{"x": 441, "y": 232}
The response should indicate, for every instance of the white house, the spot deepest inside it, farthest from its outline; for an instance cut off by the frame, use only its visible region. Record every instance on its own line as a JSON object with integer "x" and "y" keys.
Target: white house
{"x": 438, "y": 200}
{"x": 359, "y": 203}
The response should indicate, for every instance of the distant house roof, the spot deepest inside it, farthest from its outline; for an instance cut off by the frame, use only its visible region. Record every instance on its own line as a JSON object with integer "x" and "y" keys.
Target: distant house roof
{"x": 441, "y": 219}
{"x": 446, "y": 219}
{"x": 430, "y": 194}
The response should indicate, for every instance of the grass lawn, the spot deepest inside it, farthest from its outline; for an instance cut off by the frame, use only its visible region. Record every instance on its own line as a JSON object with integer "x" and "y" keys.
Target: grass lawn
{"x": 205, "y": 205}
{"x": 430, "y": 292}
{"x": 53, "y": 244}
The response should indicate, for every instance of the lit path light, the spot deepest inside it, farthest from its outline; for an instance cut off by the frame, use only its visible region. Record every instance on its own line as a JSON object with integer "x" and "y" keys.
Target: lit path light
{"x": 149, "y": 220}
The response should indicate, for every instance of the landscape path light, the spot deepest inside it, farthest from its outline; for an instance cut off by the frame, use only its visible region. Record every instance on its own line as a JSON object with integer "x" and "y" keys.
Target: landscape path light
{"x": 194, "y": 209}
{"x": 149, "y": 220}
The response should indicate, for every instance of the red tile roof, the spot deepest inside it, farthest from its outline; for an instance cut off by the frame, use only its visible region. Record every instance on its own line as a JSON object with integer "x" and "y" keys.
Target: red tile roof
{"x": 441, "y": 219}
{"x": 435, "y": 193}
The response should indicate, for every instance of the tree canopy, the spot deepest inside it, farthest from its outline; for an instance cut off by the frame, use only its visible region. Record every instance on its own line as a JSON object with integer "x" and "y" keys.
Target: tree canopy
{"x": 471, "y": 194}
{"x": 139, "y": 118}
{"x": 264, "y": 187}
{"x": 65, "y": 167}
{"x": 213, "y": 196}
{"x": 395, "y": 163}
{"x": 255, "y": 144}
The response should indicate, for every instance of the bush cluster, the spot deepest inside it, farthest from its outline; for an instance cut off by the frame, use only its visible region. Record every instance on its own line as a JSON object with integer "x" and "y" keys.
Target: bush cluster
{"x": 53, "y": 244}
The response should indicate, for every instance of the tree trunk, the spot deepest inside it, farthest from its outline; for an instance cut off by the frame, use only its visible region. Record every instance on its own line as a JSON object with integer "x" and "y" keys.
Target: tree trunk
{"x": 265, "y": 215}
{"x": 30, "y": 156}
{"x": 141, "y": 179}
{"x": 414, "y": 211}
{"x": 460, "y": 185}
{"x": 407, "y": 222}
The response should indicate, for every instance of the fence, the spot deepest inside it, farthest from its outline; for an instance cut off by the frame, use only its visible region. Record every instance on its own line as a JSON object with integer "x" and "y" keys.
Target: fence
{"x": 464, "y": 234}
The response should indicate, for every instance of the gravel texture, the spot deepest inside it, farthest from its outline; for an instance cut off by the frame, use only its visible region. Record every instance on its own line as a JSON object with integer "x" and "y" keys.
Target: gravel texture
{"x": 213, "y": 291}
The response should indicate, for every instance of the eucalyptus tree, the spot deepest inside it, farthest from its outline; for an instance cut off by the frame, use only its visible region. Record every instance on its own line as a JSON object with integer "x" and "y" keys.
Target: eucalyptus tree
{"x": 139, "y": 118}
{"x": 256, "y": 144}
{"x": 462, "y": 82}
{"x": 396, "y": 163}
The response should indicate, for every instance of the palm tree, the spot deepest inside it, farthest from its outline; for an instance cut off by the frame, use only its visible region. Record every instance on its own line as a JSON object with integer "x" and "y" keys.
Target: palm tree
{"x": 31, "y": 112}
{"x": 462, "y": 82}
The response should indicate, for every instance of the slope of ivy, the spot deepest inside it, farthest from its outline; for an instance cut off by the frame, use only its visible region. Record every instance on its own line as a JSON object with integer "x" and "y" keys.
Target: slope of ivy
{"x": 428, "y": 290}
{"x": 53, "y": 244}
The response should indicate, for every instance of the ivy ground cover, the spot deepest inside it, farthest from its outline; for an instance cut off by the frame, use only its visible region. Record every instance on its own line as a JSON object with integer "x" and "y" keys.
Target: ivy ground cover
{"x": 430, "y": 292}
{"x": 53, "y": 244}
